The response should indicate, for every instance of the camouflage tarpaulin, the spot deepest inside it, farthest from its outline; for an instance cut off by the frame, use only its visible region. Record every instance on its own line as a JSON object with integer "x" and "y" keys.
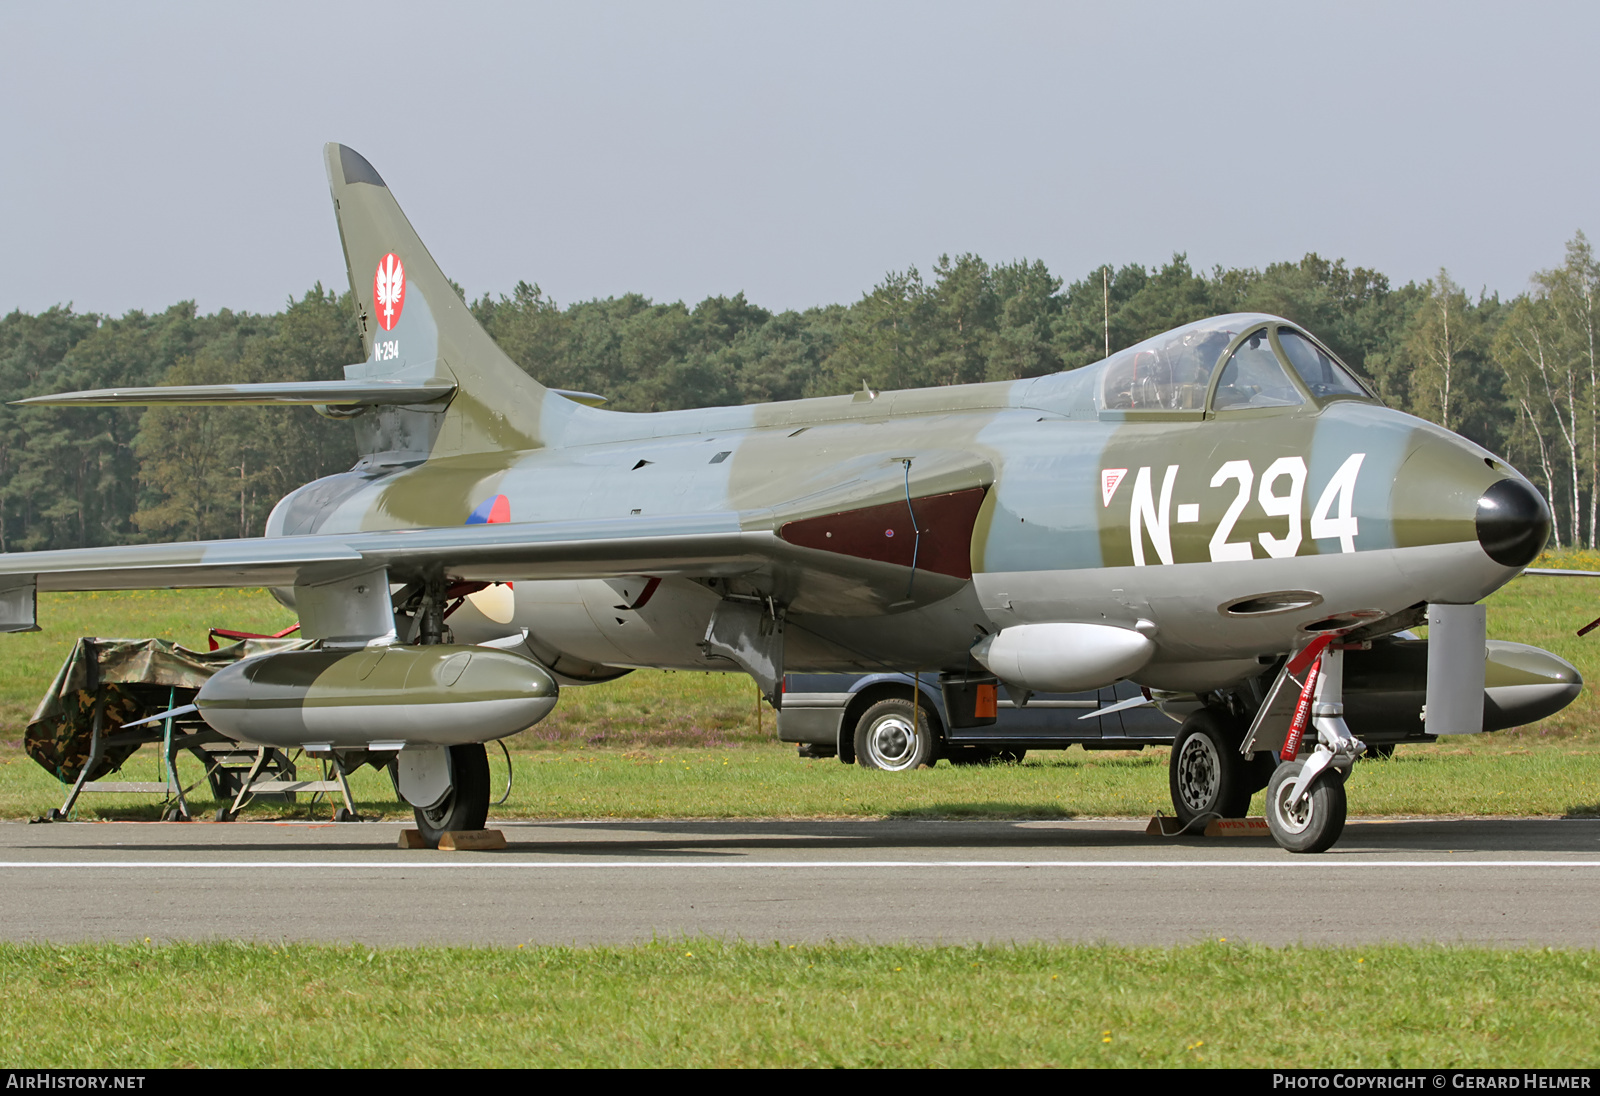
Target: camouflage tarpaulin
{"x": 138, "y": 678}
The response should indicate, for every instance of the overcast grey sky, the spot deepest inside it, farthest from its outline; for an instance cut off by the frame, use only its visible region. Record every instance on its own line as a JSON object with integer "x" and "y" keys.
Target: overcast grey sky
{"x": 159, "y": 152}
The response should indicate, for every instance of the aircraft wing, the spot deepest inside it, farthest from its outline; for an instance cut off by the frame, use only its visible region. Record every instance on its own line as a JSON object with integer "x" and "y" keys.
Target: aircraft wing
{"x": 832, "y": 563}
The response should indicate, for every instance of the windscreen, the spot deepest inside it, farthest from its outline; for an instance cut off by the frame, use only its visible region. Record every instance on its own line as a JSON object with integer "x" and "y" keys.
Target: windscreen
{"x": 1254, "y": 377}
{"x": 1322, "y": 375}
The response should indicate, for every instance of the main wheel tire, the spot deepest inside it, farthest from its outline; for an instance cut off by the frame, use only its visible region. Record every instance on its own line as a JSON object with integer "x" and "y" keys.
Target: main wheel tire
{"x": 888, "y": 738}
{"x": 1207, "y": 775}
{"x": 1318, "y": 821}
{"x": 466, "y": 805}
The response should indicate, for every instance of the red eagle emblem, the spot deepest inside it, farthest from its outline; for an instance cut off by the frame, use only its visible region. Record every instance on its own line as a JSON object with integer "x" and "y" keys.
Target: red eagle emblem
{"x": 389, "y": 290}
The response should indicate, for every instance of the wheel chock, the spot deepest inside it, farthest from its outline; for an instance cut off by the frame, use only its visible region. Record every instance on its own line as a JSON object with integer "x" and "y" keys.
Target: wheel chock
{"x": 456, "y": 840}
{"x": 1163, "y": 825}
{"x": 471, "y": 840}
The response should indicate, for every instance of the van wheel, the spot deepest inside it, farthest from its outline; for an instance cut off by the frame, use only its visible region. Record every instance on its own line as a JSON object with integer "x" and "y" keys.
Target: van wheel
{"x": 889, "y": 738}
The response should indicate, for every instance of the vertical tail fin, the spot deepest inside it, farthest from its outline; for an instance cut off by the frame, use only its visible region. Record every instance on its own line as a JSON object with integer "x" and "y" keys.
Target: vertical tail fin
{"x": 415, "y": 326}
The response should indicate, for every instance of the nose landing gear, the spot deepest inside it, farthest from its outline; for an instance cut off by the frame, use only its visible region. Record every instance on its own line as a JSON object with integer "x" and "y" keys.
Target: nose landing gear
{"x": 1306, "y": 803}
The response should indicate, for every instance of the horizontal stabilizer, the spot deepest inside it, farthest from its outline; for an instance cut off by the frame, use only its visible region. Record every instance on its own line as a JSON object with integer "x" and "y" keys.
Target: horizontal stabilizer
{"x": 356, "y": 393}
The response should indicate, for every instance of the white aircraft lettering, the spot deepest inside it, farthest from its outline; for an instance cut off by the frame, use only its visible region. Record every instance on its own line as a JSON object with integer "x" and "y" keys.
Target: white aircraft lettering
{"x": 1341, "y": 489}
{"x": 1144, "y": 513}
{"x": 1221, "y": 548}
{"x": 1332, "y": 518}
{"x": 1283, "y": 506}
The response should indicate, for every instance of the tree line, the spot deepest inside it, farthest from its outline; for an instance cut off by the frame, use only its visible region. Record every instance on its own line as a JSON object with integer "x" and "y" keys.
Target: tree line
{"x": 1519, "y": 377}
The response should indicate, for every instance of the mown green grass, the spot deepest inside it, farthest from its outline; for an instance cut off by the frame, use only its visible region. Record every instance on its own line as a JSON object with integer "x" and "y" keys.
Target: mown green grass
{"x": 695, "y": 1003}
{"x": 665, "y": 745}
{"x": 684, "y": 745}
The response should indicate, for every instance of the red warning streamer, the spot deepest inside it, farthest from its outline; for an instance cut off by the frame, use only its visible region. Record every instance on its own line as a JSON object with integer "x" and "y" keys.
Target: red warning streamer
{"x": 1302, "y": 713}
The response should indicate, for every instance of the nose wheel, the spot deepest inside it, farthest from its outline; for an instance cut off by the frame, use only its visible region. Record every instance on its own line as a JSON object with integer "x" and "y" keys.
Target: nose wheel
{"x": 1310, "y": 821}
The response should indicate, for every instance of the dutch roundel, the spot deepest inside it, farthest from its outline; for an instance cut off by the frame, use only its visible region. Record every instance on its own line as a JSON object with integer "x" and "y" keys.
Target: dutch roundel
{"x": 491, "y": 511}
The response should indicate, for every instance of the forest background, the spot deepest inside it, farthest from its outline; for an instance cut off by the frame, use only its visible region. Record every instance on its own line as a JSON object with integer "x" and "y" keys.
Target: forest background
{"x": 1520, "y": 377}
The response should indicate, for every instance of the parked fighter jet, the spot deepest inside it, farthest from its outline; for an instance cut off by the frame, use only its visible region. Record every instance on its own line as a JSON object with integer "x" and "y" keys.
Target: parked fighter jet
{"x": 1215, "y": 514}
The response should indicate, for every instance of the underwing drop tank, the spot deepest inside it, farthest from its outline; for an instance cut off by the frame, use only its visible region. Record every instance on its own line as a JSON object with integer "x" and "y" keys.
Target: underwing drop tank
{"x": 378, "y": 697}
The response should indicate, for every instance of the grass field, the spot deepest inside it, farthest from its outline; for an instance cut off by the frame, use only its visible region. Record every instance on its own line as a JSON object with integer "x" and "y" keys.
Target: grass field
{"x": 694, "y": 1003}
{"x": 657, "y": 745}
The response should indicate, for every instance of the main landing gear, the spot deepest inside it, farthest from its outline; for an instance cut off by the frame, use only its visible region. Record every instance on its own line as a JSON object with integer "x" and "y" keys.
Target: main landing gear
{"x": 447, "y": 787}
{"x": 1209, "y": 775}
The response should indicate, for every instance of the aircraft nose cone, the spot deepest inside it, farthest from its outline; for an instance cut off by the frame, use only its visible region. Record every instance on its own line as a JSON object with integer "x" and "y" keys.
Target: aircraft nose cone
{"x": 1513, "y": 523}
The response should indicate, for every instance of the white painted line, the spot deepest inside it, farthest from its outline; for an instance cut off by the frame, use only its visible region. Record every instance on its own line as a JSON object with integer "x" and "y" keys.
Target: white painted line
{"x": 505, "y": 864}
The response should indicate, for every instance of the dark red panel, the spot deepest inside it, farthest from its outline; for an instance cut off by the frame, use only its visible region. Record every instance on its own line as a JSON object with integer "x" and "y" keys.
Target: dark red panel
{"x": 885, "y": 533}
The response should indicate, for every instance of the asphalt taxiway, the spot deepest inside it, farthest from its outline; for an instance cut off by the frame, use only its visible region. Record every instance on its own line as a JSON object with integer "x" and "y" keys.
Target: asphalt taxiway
{"x": 1508, "y": 882}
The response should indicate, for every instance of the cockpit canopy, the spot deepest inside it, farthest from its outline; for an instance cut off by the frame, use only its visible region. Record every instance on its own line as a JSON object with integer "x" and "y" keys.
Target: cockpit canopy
{"x": 1228, "y": 363}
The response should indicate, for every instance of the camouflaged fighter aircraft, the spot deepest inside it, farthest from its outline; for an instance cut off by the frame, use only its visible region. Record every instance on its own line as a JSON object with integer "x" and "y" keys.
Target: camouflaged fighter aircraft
{"x": 1203, "y": 513}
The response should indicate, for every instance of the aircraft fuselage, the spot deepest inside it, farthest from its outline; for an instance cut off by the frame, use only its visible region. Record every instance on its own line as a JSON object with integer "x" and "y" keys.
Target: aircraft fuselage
{"x": 1225, "y": 535}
